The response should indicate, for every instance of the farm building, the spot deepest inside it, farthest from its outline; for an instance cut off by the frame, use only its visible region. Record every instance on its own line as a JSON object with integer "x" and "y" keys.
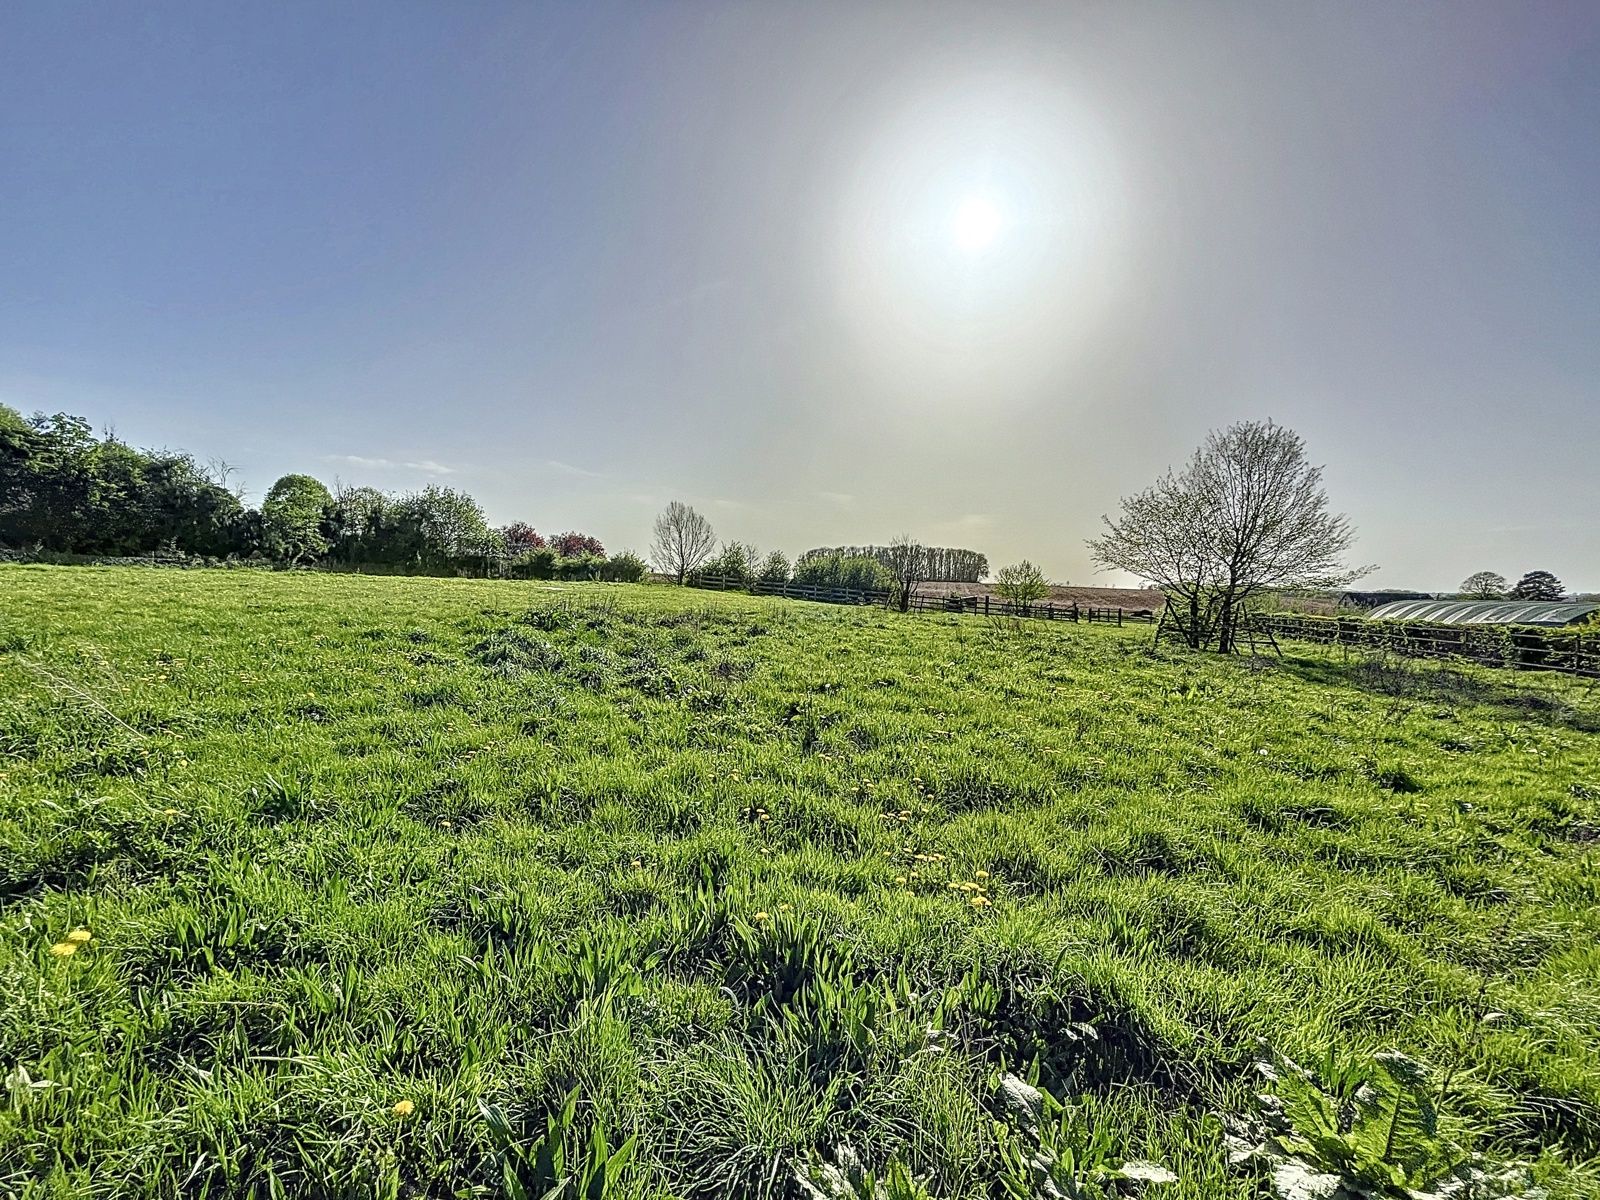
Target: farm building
{"x": 1485, "y": 612}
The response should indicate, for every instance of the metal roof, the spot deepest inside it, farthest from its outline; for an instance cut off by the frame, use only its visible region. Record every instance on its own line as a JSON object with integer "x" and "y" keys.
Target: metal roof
{"x": 1484, "y": 612}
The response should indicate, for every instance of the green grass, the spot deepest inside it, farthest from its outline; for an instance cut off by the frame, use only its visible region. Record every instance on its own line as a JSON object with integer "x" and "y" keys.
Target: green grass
{"x": 343, "y": 842}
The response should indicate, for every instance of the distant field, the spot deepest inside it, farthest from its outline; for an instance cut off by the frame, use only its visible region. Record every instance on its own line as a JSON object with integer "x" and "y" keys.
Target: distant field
{"x": 377, "y": 873}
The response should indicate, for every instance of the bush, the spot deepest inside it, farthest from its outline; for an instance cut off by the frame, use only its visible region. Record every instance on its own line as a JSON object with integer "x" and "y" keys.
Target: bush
{"x": 580, "y": 566}
{"x": 626, "y": 567}
{"x": 535, "y": 564}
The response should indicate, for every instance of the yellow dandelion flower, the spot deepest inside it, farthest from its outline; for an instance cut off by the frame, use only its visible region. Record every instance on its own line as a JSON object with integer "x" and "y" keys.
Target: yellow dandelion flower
{"x": 403, "y": 1108}
{"x": 64, "y": 949}
{"x": 80, "y": 936}
{"x": 900, "y": 879}
{"x": 765, "y": 817}
{"x": 637, "y": 863}
{"x": 169, "y": 812}
{"x": 979, "y": 901}
{"x": 785, "y": 908}
{"x": 980, "y": 875}
{"x": 954, "y": 887}
{"x": 761, "y": 916}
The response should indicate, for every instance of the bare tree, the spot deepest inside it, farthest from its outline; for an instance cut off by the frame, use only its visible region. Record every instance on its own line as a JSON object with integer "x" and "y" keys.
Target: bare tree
{"x": 1484, "y": 585}
{"x": 752, "y": 560}
{"x": 1247, "y": 514}
{"x": 1022, "y": 583}
{"x": 907, "y": 560}
{"x": 684, "y": 540}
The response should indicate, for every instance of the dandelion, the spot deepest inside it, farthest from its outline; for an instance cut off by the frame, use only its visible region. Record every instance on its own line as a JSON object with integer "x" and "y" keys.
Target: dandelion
{"x": 762, "y": 916}
{"x": 64, "y": 949}
{"x": 637, "y": 863}
{"x": 900, "y": 879}
{"x": 403, "y": 1108}
{"x": 766, "y": 816}
{"x": 785, "y": 908}
{"x": 980, "y": 874}
{"x": 980, "y": 901}
{"x": 80, "y": 936}
{"x": 169, "y": 812}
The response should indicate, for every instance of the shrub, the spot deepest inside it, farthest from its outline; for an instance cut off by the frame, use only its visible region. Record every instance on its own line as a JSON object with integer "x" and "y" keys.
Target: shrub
{"x": 626, "y": 567}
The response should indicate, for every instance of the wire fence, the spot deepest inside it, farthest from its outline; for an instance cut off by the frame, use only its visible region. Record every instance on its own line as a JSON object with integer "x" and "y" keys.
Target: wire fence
{"x": 1517, "y": 647}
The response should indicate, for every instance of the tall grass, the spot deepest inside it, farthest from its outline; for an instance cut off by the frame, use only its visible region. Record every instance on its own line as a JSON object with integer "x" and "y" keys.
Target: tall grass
{"x": 445, "y": 887}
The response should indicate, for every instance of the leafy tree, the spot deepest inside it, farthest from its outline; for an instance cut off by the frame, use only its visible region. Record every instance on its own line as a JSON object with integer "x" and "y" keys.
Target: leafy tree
{"x": 441, "y": 524}
{"x": 292, "y": 516}
{"x": 1484, "y": 585}
{"x": 1022, "y": 583}
{"x": 575, "y": 545}
{"x": 1247, "y": 514}
{"x": 1538, "y": 585}
{"x": 731, "y": 563}
{"x": 520, "y": 537}
{"x": 775, "y": 568}
{"x": 683, "y": 541}
{"x": 358, "y": 524}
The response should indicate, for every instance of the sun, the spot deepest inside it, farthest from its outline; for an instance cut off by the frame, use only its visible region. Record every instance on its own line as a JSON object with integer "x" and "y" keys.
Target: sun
{"x": 976, "y": 224}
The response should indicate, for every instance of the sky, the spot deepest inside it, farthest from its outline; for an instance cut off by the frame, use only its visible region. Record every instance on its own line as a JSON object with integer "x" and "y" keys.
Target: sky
{"x": 828, "y": 272}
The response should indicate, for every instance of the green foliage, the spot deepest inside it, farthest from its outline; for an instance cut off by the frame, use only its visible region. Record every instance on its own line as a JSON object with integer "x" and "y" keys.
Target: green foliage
{"x": 292, "y": 518}
{"x": 774, "y": 568}
{"x": 1022, "y": 583}
{"x": 857, "y": 574}
{"x": 626, "y": 567}
{"x": 62, "y": 489}
{"x": 752, "y": 879}
{"x": 546, "y": 1169}
{"x": 1376, "y": 1127}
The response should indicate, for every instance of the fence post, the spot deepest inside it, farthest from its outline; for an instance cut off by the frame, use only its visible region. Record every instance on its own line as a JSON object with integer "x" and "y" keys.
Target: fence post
{"x": 986, "y": 604}
{"x": 1119, "y": 618}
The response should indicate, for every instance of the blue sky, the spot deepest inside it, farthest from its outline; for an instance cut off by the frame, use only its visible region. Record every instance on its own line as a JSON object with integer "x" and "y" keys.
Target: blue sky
{"x": 581, "y": 259}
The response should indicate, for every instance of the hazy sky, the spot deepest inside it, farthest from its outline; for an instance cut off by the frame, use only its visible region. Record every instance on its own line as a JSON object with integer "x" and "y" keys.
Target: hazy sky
{"x": 828, "y": 272}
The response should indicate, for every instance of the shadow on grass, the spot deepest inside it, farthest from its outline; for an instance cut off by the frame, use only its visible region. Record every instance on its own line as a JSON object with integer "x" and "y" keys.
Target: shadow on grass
{"x": 1519, "y": 697}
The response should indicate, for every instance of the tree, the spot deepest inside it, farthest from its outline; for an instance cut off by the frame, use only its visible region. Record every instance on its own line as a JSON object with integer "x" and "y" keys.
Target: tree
{"x": 1484, "y": 585}
{"x": 521, "y": 537}
{"x": 1538, "y": 585}
{"x": 731, "y": 563}
{"x": 908, "y": 563}
{"x": 683, "y": 541}
{"x": 440, "y": 524}
{"x": 576, "y": 545}
{"x": 1022, "y": 583}
{"x": 292, "y": 516}
{"x": 1247, "y": 514}
{"x": 775, "y": 569}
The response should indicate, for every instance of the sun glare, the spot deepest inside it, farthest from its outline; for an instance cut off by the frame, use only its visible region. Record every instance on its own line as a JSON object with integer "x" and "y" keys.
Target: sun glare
{"x": 976, "y": 224}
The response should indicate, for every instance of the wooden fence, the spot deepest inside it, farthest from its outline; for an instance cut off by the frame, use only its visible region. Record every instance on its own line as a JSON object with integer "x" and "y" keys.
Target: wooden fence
{"x": 1520, "y": 647}
{"x": 982, "y": 606}
{"x": 993, "y": 606}
{"x": 791, "y": 590}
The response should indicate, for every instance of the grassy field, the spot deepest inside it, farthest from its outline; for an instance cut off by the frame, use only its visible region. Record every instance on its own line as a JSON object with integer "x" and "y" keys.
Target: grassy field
{"x": 407, "y": 887}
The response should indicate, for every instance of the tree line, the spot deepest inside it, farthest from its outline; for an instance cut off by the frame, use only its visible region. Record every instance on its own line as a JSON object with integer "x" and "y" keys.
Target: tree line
{"x": 936, "y": 564}
{"x": 1490, "y": 585}
{"x": 64, "y": 490}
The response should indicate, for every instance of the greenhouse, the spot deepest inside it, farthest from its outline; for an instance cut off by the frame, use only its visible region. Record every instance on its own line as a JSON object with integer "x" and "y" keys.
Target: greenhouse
{"x": 1486, "y": 612}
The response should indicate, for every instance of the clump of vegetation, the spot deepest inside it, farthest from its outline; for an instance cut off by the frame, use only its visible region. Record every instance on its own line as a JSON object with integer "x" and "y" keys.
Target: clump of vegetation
{"x": 348, "y": 885}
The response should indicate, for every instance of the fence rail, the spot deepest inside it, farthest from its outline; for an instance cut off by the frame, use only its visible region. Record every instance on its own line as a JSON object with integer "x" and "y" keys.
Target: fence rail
{"x": 983, "y": 606}
{"x": 1518, "y": 647}
{"x": 790, "y": 590}
{"x": 993, "y": 606}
